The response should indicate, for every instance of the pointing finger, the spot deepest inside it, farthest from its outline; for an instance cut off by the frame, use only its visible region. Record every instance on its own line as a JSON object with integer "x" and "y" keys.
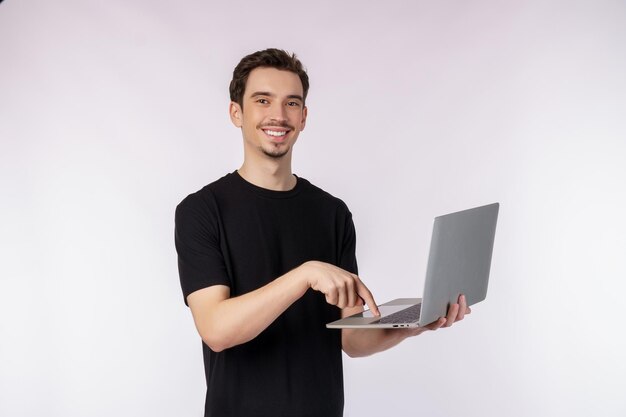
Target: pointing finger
{"x": 367, "y": 296}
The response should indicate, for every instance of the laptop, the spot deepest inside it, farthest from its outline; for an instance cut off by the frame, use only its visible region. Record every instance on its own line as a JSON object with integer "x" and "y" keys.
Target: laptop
{"x": 458, "y": 263}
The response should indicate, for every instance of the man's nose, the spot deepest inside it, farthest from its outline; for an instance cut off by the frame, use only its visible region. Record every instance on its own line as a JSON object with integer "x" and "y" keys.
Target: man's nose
{"x": 278, "y": 112}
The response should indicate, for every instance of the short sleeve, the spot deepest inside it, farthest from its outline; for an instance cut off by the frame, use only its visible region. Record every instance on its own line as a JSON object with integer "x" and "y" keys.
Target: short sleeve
{"x": 347, "y": 259}
{"x": 201, "y": 263}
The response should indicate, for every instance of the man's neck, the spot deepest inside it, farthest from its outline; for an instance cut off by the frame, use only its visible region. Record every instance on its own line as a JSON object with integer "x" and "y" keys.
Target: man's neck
{"x": 270, "y": 175}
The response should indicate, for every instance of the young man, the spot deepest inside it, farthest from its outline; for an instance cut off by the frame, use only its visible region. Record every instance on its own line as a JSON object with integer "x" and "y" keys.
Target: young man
{"x": 266, "y": 259}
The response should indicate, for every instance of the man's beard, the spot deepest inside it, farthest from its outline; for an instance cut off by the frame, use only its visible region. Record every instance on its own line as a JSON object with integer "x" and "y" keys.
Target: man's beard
{"x": 275, "y": 153}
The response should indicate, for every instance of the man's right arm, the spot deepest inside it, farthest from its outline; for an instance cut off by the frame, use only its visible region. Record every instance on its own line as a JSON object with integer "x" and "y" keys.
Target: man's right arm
{"x": 224, "y": 322}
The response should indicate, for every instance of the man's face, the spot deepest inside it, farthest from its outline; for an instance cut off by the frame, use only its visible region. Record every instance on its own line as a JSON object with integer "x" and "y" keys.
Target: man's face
{"x": 273, "y": 111}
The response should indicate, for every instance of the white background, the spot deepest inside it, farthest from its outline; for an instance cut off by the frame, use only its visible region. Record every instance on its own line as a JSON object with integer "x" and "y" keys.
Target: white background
{"x": 111, "y": 112}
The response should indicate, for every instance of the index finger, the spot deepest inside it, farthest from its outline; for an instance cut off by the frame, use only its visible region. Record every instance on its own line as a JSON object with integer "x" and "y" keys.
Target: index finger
{"x": 367, "y": 296}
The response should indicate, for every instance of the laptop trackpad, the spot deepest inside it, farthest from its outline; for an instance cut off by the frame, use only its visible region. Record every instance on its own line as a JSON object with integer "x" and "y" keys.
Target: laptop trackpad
{"x": 367, "y": 317}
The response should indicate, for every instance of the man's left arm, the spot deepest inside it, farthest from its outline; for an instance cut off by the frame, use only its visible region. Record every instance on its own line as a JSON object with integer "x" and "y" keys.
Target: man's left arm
{"x": 364, "y": 342}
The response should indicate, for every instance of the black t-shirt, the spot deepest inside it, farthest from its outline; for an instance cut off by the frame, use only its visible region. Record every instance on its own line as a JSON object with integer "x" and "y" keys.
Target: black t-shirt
{"x": 234, "y": 233}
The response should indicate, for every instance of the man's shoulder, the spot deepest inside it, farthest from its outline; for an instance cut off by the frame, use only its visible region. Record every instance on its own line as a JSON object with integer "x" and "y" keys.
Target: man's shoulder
{"x": 206, "y": 195}
{"x": 322, "y": 196}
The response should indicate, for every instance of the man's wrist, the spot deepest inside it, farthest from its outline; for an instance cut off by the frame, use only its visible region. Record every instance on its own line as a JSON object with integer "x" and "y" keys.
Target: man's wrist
{"x": 302, "y": 274}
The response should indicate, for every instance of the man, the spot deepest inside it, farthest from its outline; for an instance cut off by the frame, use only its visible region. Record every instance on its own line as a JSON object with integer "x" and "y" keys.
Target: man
{"x": 266, "y": 259}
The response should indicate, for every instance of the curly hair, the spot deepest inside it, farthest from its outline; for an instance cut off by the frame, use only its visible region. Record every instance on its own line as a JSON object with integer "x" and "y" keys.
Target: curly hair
{"x": 269, "y": 58}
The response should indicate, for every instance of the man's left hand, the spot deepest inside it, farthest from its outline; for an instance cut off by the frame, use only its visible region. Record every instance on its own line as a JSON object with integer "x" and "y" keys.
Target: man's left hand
{"x": 456, "y": 312}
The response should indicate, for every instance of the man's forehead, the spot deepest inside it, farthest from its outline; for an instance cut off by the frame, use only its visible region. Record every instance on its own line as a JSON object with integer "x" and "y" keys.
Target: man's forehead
{"x": 273, "y": 81}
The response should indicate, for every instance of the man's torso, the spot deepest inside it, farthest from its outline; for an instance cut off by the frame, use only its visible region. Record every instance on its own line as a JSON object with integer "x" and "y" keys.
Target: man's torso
{"x": 294, "y": 366}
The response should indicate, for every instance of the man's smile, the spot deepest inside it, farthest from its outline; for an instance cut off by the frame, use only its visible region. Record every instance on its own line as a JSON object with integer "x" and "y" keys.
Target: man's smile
{"x": 276, "y": 133}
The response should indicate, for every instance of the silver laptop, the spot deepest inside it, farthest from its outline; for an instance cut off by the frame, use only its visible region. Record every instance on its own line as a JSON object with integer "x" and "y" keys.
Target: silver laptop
{"x": 459, "y": 263}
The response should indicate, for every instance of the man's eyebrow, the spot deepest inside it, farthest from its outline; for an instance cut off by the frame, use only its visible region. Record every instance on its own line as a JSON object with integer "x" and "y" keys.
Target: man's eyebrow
{"x": 261, "y": 93}
{"x": 268, "y": 94}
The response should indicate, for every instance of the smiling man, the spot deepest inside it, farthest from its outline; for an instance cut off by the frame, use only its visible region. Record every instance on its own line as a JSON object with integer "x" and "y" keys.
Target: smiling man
{"x": 266, "y": 259}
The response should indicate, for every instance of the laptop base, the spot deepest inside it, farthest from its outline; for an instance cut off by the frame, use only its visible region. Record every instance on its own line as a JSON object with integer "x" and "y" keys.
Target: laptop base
{"x": 367, "y": 320}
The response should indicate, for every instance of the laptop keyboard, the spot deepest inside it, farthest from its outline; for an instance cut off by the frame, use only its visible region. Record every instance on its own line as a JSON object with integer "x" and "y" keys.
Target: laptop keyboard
{"x": 408, "y": 315}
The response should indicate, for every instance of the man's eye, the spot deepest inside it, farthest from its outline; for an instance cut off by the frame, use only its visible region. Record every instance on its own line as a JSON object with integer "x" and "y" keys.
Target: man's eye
{"x": 293, "y": 104}
{"x": 262, "y": 101}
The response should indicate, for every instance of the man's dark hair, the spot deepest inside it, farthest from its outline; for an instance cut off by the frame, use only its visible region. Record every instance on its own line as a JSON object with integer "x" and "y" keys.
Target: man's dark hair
{"x": 269, "y": 58}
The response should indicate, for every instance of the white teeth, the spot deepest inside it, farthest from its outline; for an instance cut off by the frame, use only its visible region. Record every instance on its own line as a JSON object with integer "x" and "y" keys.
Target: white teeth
{"x": 274, "y": 133}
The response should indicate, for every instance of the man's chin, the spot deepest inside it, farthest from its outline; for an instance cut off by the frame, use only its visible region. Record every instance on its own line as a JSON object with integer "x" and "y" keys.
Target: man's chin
{"x": 276, "y": 153}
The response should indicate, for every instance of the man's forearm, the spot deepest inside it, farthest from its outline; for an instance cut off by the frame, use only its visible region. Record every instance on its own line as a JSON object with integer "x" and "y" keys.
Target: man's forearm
{"x": 224, "y": 322}
{"x": 364, "y": 342}
{"x": 237, "y": 320}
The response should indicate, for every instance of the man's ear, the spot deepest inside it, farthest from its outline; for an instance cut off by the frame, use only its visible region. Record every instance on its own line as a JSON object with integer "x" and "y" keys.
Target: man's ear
{"x": 236, "y": 114}
{"x": 303, "y": 122}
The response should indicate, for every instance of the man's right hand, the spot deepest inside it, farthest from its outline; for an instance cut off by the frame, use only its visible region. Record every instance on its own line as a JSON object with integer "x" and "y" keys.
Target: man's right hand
{"x": 341, "y": 288}
{"x": 224, "y": 321}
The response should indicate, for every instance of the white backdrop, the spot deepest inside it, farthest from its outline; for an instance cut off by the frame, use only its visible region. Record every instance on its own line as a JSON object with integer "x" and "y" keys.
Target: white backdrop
{"x": 112, "y": 112}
